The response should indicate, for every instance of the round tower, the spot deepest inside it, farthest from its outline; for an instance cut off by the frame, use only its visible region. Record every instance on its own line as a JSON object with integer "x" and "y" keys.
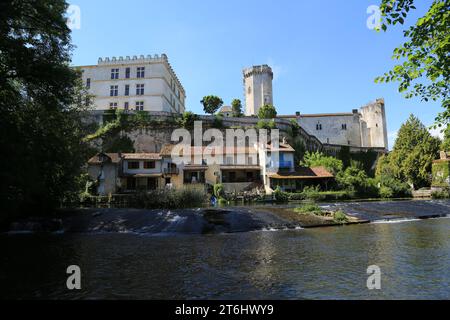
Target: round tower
{"x": 258, "y": 88}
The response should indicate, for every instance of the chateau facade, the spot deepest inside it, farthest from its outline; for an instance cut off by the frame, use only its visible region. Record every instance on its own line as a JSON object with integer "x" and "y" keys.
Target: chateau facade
{"x": 135, "y": 84}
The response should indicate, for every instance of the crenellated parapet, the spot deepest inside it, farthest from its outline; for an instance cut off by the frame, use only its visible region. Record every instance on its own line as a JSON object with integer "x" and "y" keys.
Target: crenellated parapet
{"x": 263, "y": 69}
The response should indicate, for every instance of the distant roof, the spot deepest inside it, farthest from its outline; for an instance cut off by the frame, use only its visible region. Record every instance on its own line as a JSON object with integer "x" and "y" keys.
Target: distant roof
{"x": 110, "y": 157}
{"x": 304, "y": 173}
{"x": 167, "y": 150}
{"x": 283, "y": 147}
{"x": 226, "y": 109}
{"x": 141, "y": 156}
{"x": 317, "y": 115}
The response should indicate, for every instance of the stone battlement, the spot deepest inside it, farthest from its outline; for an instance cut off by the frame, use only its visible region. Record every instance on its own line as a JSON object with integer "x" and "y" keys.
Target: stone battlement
{"x": 258, "y": 70}
{"x": 134, "y": 59}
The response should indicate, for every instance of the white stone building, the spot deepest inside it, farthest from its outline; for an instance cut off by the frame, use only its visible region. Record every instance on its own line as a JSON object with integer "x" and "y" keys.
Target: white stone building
{"x": 137, "y": 83}
{"x": 363, "y": 128}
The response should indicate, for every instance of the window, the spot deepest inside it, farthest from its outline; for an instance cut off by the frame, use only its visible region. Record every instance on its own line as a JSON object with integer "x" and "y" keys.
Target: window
{"x": 149, "y": 165}
{"x": 127, "y": 73}
{"x": 126, "y": 106}
{"x": 141, "y": 72}
{"x": 113, "y": 105}
{"x": 139, "y": 105}
{"x": 114, "y": 91}
{"x": 114, "y": 74}
{"x": 344, "y": 127}
{"x": 133, "y": 165}
{"x": 127, "y": 89}
{"x": 139, "y": 89}
{"x": 318, "y": 126}
{"x": 88, "y": 83}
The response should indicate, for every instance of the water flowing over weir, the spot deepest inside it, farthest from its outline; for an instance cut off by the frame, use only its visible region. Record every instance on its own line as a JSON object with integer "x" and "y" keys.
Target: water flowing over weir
{"x": 395, "y": 210}
{"x": 226, "y": 220}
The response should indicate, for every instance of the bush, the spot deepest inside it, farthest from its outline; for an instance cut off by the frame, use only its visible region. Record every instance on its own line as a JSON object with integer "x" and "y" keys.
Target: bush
{"x": 322, "y": 196}
{"x": 313, "y": 193}
{"x": 317, "y": 159}
{"x": 218, "y": 190}
{"x": 280, "y": 196}
{"x": 310, "y": 209}
{"x": 340, "y": 217}
{"x": 442, "y": 194}
{"x": 356, "y": 180}
{"x": 266, "y": 124}
{"x": 386, "y": 192}
{"x": 186, "y": 197}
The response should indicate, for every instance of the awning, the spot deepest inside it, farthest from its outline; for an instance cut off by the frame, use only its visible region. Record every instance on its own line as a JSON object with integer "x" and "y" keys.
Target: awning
{"x": 142, "y": 175}
{"x": 195, "y": 168}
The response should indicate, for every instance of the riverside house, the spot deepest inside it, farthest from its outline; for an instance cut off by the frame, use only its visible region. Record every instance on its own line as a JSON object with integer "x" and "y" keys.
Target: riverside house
{"x": 238, "y": 169}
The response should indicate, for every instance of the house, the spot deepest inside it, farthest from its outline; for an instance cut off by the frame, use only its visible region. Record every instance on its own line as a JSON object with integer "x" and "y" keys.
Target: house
{"x": 238, "y": 169}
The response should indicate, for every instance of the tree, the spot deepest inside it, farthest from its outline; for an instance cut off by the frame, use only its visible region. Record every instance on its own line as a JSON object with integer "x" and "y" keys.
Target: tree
{"x": 211, "y": 104}
{"x": 424, "y": 70}
{"x": 236, "y": 106}
{"x": 413, "y": 154}
{"x": 42, "y": 102}
{"x": 317, "y": 159}
{"x": 446, "y": 143}
{"x": 267, "y": 112}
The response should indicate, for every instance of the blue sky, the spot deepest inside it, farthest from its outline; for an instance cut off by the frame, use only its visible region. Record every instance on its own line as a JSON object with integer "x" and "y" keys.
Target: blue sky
{"x": 324, "y": 57}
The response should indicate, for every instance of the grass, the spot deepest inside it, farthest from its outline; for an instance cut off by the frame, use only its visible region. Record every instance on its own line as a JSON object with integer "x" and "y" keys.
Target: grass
{"x": 310, "y": 209}
{"x": 340, "y": 217}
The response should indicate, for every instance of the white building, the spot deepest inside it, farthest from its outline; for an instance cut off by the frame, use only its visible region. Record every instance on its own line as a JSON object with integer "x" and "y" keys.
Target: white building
{"x": 137, "y": 83}
{"x": 363, "y": 128}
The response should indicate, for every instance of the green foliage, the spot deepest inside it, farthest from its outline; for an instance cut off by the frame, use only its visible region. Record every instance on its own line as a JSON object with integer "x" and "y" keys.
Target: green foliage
{"x": 42, "y": 103}
{"x": 186, "y": 197}
{"x": 265, "y": 124}
{"x": 211, "y": 104}
{"x": 317, "y": 159}
{"x": 441, "y": 174}
{"x": 386, "y": 192}
{"x": 236, "y": 106}
{"x": 118, "y": 144}
{"x": 356, "y": 180}
{"x": 424, "y": 64}
{"x": 310, "y": 208}
{"x": 413, "y": 154}
{"x": 187, "y": 120}
{"x": 295, "y": 128}
{"x": 218, "y": 121}
{"x": 300, "y": 149}
{"x": 441, "y": 194}
{"x": 317, "y": 195}
{"x": 340, "y": 217}
{"x": 218, "y": 190}
{"x": 312, "y": 193}
{"x": 267, "y": 112}
{"x": 446, "y": 142}
{"x": 280, "y": 196}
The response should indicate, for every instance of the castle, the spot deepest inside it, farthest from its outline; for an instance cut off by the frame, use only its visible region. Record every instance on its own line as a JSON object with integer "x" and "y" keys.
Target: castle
{"x": 363, "y": 128}
{"x": 149, "y": 83}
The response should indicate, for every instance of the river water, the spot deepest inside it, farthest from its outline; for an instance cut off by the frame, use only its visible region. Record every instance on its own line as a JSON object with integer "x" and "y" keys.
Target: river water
{"x": 322, "y": 263}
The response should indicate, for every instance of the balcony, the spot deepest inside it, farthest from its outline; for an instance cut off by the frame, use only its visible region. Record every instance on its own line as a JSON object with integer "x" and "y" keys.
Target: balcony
{"x": 281, "y": 164}
{"x": 171, "y": 171}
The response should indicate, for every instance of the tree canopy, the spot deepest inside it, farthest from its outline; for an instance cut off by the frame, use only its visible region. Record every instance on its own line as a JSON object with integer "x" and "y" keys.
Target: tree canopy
{"x": 211, "y": 104}
{"x": 236, "y": 106}
{"x": 267, "y": 112}
{"x": 424, "y": 61}
{"x": 42, "y": 101}
{"x": 317, "y": 159}
{"x": 412, "y": 156}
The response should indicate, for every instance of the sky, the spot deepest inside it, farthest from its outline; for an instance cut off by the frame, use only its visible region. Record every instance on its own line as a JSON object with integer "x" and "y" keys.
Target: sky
{"x": 323, "y": 55}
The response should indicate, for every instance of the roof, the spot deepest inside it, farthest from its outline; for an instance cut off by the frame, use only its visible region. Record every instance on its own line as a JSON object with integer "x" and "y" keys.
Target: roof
{"x": 141, "y": 156}
{"x": 111, "y": 157}
{"x": 226, "y": 109}
{"x": 167, "y": 150}
{"x": 283, "y": 147}
{"x": 304, "y": 173}
{"x": 317, "y": 115}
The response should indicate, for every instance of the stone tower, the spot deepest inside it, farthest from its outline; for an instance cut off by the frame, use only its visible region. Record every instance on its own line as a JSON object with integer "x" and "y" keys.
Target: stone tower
{"x": 258, "y": 88}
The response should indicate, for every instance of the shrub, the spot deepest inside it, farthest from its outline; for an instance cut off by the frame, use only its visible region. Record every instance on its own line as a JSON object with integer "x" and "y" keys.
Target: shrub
{"x": 313, "y": 193}
{"x": 340, "y": 217}
{"x": 317, "y": 159}
{"x": 266, "y": 124}
{"x": 280, "y": 196}
{"x": 356, "y": 180}
{"x": 267, "y": 112}
{"x": 386, "y": 192}
{"x": 442, "y": 194}
{"x": 311, "y": 208}
{"x": 218, "y": 190}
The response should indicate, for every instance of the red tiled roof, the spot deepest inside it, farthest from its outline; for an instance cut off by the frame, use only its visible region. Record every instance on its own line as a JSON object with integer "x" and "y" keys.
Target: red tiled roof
{"x": 167, "y": 150}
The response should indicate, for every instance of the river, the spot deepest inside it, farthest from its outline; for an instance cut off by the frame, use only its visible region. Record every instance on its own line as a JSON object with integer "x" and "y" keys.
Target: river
{"x": 320, "y": 263}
